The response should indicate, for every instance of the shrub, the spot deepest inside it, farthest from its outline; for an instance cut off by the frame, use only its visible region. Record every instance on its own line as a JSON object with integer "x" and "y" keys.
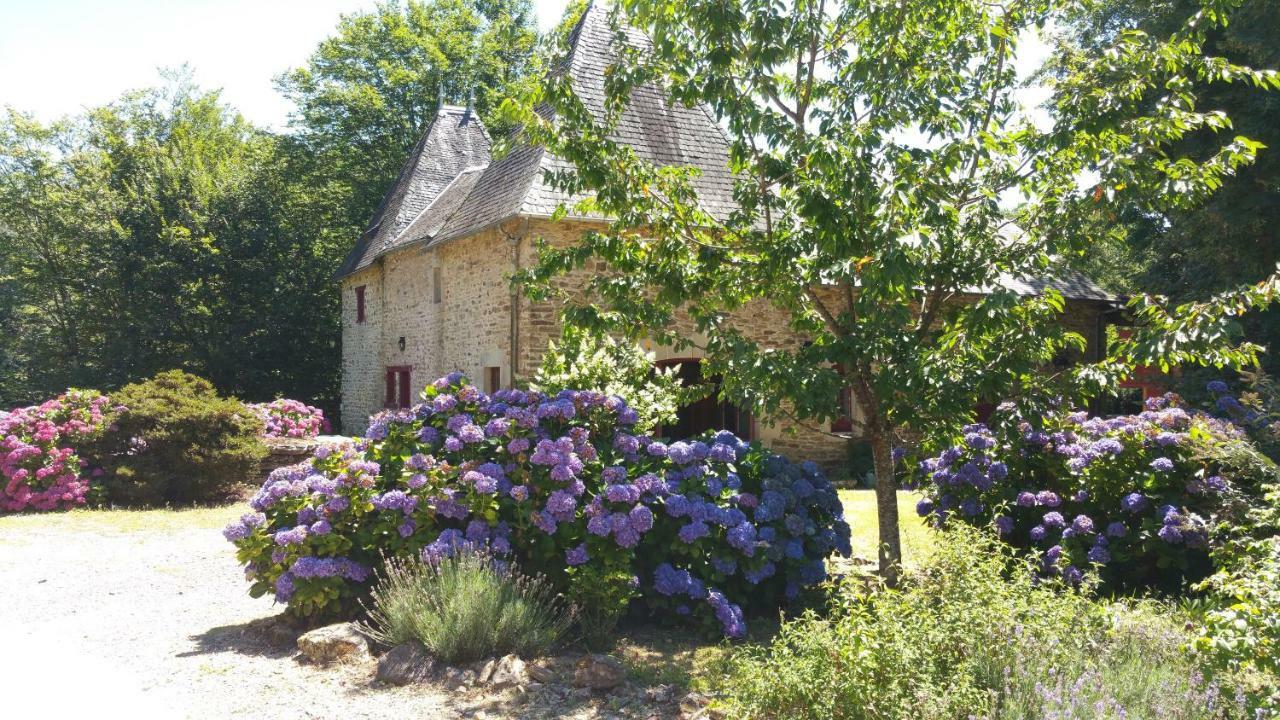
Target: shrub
{"x": 1241, "y": 625}
{"x": 582, "y": 361}
{"x": 563, "y": 486}
{"x": 466, "y": 607}
{"x": 282, "y": 418}
{"x": 41, "y": 463}
{"x": 1135, "y": 497}
{"x": 974, "y": 633}
{"x": 180, "y": 442}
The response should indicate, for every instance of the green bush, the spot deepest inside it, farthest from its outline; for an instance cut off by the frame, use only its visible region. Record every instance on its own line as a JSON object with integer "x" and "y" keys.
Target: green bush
{"x": 179, "y": 443}
{"x": 466, "y": 607}
{"x": 974, "y": 634}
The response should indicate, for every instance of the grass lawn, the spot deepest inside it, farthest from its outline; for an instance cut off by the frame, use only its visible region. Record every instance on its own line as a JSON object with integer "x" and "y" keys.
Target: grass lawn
{"x": 860, "y": 512}
{"x": 124, "y": 521}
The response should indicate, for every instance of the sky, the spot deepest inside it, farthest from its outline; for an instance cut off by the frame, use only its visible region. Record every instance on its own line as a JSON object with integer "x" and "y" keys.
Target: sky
{"x": 58, "y": 57}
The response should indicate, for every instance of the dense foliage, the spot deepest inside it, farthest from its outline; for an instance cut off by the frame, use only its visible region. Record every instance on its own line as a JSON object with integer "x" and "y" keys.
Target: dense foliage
{"x": 561, "y": 485}
{"x": 179, "y": 443}
{"x": 40, "y": 462}
{"x": 368, "y": 92}
{"x": 284, "y": 418}
{"x": 976, "y": 633}
{"x": 1231, "y": 237}
{"x": 872, "y": 143}
{"x": 163, "y": 229}
{"x": 1135, "y": 497}
{"x": 466, "y": 607}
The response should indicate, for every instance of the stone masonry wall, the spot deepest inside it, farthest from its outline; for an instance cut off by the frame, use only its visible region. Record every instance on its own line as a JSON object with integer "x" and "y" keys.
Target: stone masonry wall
{"x": 468, "y": 330}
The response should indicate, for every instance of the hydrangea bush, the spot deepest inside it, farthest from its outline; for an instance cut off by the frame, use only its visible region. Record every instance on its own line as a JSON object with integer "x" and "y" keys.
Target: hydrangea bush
{"x": 561, "y": 485}
{"x": 1131, "y": 496}
{"x": 39, "y": 463}
{"x": 284, "y": 418}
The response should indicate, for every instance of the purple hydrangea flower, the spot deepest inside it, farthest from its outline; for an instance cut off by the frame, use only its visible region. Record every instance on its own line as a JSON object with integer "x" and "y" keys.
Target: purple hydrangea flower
{"x": 1134, "y": 502}
{"x": 577, "y": 555}
{"x": 1082, "y": 524}
{"x": 693, "y": 531}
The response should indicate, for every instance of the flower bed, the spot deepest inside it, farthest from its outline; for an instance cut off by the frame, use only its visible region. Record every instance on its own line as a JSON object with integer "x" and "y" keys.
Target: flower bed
{"x": 1131, "y": 496}
{"x": 562, "y": 486}
{"x": 38, "y": 460}
{"x": 285, "y": 418}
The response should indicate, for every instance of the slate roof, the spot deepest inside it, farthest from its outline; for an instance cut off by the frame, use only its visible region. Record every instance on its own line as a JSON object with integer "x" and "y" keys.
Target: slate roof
{"x": 1071, "y": 284}
{"x": 454, "y": 142}
{"x": 489, "y": 191}
{"x": 451, "y": 187}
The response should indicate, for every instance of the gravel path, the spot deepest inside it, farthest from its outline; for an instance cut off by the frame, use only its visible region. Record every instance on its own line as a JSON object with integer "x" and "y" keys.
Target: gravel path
{"x": 142, "y": 623}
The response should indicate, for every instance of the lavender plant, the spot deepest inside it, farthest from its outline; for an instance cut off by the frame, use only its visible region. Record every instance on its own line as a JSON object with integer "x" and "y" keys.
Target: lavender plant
{"x": 712, "y": 528}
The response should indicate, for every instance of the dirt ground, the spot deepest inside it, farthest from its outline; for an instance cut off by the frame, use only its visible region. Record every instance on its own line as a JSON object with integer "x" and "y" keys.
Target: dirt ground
{"x": 120, "y": 619}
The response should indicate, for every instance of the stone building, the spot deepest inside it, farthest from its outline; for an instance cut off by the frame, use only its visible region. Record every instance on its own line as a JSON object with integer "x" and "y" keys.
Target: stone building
{"x": 425, "y": 290}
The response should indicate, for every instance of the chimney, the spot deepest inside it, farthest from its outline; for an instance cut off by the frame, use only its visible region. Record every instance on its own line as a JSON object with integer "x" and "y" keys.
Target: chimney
{"x": 471, "y": 99}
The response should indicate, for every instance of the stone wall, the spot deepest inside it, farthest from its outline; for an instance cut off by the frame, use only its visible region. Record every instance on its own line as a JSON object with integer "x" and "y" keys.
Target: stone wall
{"x": 471, "y": 328}
{"x": 467, "y": 330}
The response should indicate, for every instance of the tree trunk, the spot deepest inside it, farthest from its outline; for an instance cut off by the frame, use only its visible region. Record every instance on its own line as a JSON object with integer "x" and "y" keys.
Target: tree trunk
{"x": 890, "y": 549}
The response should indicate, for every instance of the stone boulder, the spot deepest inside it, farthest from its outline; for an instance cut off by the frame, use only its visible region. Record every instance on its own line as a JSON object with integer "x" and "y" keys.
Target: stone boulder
{"x": 405, "y": 664}
{"x": 508, "y": 671}
{"x": 599, "y": 672}
{"x": 343, "y": 641}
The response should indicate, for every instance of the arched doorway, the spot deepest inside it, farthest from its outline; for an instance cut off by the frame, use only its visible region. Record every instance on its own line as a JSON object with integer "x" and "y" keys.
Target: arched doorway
{"x": 709, "y": 413}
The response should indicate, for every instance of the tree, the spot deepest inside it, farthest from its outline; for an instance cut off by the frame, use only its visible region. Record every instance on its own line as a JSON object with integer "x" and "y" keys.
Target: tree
{"x": 164, "y": 231}
{"x": 872, "y": 143}
{"x": 1232, "y": 236}
{"x": 369, "y": 92}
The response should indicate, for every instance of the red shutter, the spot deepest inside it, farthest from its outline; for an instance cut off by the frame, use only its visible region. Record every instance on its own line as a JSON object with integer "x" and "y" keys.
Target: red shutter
{"x": 360, "y": 304}
{"x": 404, "y": 388}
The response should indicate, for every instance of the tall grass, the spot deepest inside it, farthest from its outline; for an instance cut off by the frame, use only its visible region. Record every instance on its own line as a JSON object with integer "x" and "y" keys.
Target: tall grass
{"x": 972, "y": 634}
{"x": 465, "y": 608}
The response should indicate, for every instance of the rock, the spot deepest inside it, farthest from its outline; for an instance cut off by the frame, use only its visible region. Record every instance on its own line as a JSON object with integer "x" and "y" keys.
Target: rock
{"x": 484, "y": 670}
{"x": 405, "y": 664}
{"x": 541, "y": 673}
{"x": 599, "y": 672}
{"x": 660, "y": 694}
{"x": 694, "y": 705}
{"x": 508, "y": 671}
{"x": 343, "y": 641}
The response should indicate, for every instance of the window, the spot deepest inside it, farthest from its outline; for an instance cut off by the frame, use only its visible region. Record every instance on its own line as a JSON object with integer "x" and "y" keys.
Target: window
{"x": 492, "y": 379}
{"x": 398, "y": 394}
{"x": 436, "y": 290}
{"x": 844, "y": 423}
{"x": 360, "y": 304}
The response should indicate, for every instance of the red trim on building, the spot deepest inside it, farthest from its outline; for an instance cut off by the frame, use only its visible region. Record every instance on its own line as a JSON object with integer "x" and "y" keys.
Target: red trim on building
{"x": 399, "y": 392}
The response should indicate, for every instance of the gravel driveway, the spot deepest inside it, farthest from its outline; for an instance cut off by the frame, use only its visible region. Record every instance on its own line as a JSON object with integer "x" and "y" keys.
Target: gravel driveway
{"x": 151, "y": 619}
